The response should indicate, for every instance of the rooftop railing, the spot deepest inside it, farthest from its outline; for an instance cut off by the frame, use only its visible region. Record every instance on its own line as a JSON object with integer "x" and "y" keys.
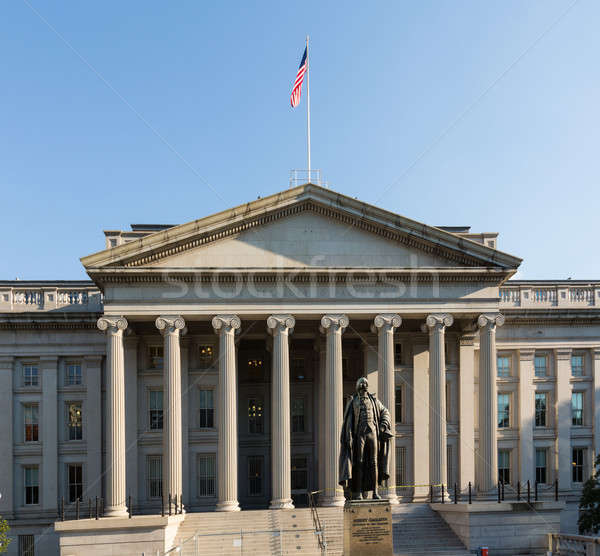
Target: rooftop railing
{"x": 16, "y": 299}
{"x": 550, "y": 296}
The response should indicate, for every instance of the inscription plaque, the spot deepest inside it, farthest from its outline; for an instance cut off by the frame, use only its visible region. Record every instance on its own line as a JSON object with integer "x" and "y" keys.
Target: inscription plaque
{"x": 368, "y": 528}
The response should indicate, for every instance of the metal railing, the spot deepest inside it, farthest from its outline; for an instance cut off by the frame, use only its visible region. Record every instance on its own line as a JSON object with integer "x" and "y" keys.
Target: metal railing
{"x": 319, "y": 531}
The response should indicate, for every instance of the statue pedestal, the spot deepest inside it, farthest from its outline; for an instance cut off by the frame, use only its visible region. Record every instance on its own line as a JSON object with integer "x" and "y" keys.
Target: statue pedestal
{"x": 368, "y": 528}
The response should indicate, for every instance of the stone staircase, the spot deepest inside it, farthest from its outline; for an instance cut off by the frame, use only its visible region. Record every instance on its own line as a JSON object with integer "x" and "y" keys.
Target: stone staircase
{"x": 417, "y": 530}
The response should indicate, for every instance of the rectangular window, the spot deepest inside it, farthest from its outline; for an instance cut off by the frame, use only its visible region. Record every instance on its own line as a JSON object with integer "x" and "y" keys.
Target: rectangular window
{"x": 255, "y": 475}
{"x": 72, "y": 374}
{"x": 503, "y": 366}
{"x": 541, "y": 473}
{"x": 30, "y": 375}
{"x": 400, "y": 466}
{"x": 255, "y": 416}
{"x": 155, "y": 477}
{"x": 206, "y": 409}
{"x": 398, "y": 404}
{"x": 26, "y": 545}
{"x": 504, "y": 466}
{"x": 298, "y": 422}
{"x": 207, "y": 475}
{"x": 503, "y": 411}
{"x": 398, "y": 354}
{"x": 32, "y": 485}
{"x": 156, "y": 410}
{"x": 577, "y": 365}
{"x": 31, "y": 422}
{"x": 449, "y": 467}
{"x": 541, "y": 366}
{"x": 205, "y": 356}
{"x": 541, "y": 405}
{"x": 300, "y": 473}
{"x": 577, "y": 463}
{"x": 75, "y": 478}
{"x": 75, "y": 421}
{"x": 577, "y": 409}
{"x": 155, "y": 353}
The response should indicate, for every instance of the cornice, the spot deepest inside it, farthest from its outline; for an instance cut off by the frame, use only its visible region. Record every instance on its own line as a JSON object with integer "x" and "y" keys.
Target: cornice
{"x": 46, "y": 321}
{"x": 559, "y": 317}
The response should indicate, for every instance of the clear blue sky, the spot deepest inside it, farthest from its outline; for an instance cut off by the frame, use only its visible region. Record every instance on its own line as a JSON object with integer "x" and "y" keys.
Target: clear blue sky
{"x": 389, "y": 82}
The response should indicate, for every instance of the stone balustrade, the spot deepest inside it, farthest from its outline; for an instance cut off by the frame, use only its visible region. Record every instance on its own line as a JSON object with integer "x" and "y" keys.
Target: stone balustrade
{"x": 560, "y": 295}
{"x": 48, "y": 296}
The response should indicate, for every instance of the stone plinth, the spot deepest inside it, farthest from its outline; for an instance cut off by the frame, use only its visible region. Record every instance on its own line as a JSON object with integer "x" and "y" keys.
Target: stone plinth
{"x": 117, "y": 535}
{"x": 368, "y": 528}
{"x": 506, "y": 529}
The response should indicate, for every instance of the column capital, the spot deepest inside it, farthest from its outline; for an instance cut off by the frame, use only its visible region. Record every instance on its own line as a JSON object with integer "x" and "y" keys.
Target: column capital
{"x": 112, "y": 325}
{"x": 490, "y": 319}
{"x": 280, "y": 323}
{"x": 334, "y": 322}
{"x": 226, "y": 323}
{"x": 564, "y": 353}
{"x": 437, "y": 320}
{"x": 170, "y": 324}
{"x": 387, "y": 321}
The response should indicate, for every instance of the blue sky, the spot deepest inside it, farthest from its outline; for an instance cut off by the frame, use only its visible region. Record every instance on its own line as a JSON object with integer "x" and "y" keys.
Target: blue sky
{"x": 452, "y": 113}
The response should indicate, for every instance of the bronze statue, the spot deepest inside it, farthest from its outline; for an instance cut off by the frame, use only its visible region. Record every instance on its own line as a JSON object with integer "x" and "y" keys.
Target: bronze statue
{"x": 365, "y": 437}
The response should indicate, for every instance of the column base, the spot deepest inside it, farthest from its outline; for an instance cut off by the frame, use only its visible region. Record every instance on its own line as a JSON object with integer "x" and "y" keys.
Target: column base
{"x": 116, "y": 511}
{"x": 228, "y": 506}
{"x": 421, "y": 494}
{"x": 392, "y": 498}
{"x": 281, "y": 504}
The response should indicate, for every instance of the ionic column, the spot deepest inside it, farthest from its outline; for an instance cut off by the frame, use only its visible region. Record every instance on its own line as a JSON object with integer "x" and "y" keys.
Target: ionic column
{"x": 488, "y": 403}
{"x": 526, "y": 416}
{"x": 333, "y": 326}
{"x": 386, "y": 387}
{"x": 466, "y": 375}
{"x": 227, "y": 468}
{"x": 115, "y": 505}
{"x": 280, "y": 327}
{"x": 436, "y": 325}
{"x": 170, "y": 327}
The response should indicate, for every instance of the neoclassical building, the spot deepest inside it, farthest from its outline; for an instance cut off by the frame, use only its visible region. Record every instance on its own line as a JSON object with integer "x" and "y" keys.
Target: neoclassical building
{"x": 211, "y": 361}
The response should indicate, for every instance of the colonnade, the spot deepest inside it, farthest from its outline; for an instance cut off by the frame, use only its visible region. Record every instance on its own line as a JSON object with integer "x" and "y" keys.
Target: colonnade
{"x": 280, "y": 327}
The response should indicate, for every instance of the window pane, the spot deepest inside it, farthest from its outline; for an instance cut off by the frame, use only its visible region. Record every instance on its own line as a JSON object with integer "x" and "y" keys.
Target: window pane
{"x": 30, "y": 375}
{"x": 75, "y": 477}
{"x": 577, "y": 465}
{"x": 255, "y": 475}
{"x": 255, "y": 416}
{"x": 503, "y": 366}
{"x": 75, "y": 421}
{"x": 541, "y": 365}
{"x": 398, "y": 401}
{"x": 155, "y": 476}
{"x": 503, "y": 411}
{"x": 156, "y": 409}
{"x": 577, "y": 409}
{"x": 73, "y": 374}
{"x": 207, "y": 412}
{"x": 577, "y": 365}
{"x": 400, "y": 466}
{"x": 540, "y": 409}
{"x": 298, "y": 415}
{"x": 504, "y": 466}
{"x": 540, "y": 465}
{"x": 299, "y": 473}
{"x": 207, "y": 475}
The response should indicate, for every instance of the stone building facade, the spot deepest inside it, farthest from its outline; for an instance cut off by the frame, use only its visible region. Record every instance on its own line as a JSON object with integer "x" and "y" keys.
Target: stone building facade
{"x": 211, "y": 361}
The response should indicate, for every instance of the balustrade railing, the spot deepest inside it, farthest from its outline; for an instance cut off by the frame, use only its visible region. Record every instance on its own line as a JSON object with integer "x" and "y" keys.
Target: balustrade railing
{"x": 572, "y": 545}
{"x": 46, "y": 298}
{"x": 549, "y": 296}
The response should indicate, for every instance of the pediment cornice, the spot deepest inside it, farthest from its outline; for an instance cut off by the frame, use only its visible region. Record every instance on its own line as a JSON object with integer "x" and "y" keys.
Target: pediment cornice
{"x": 351, "y": 212}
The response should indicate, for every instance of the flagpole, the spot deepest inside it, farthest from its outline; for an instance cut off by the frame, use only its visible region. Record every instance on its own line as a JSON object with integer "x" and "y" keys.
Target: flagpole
{"x": 308, "y": 107}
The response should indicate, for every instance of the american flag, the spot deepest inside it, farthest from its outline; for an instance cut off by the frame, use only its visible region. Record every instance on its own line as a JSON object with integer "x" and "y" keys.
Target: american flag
{"x": 297, "y": 89}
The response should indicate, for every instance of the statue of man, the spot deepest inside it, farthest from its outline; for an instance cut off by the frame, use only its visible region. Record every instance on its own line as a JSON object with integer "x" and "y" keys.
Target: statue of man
{"x": 364, "y": 441}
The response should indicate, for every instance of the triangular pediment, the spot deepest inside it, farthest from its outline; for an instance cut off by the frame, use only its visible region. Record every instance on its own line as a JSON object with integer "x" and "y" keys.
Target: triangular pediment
{"x": 304, "y": 227}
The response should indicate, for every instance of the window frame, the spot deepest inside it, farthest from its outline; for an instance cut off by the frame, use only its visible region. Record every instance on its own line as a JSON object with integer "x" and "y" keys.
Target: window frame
{"x": 156, "y": 415}
{"x": 27, "y": 378}
{"x": 504, "y": 472}
{"x": 207, "y": 411}
{"x": 580, "y": 372}
{"x": 541, "y": 471}
{"x": 77, "y": 486}
{"x": 544, "y": 357}
{"x": 206, "y": 360}
{"x": 578, "y": 468}
{"x": 539, "y": 412}
{"x": 35, "y": 425}
{"x": 577, "y": 420}
{"x": 154, "y": 482}
{"x": 210, "y": 480}
{"x": 506, "y": 412}
{"x": 258, "y": 478}
{"x": 35, "y": 492}
{"x": 296, "y": 471}
{"x": 256, "y": 422}
{"x": 297, "y": 418}
{"x": 508, "y": 369}
{"x": 69, "y": 378}
{"x": 73, "y": 425}
{"x": 399, "y": 404}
